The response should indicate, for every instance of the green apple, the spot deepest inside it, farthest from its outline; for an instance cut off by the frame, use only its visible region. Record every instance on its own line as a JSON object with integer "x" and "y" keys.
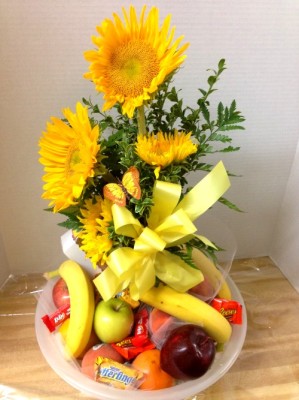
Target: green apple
{"x": 113, "y": 320}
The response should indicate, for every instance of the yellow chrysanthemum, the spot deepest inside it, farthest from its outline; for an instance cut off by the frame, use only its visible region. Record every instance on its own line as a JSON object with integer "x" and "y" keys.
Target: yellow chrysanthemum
{"x": 163, "y": 149}
{"x": 133, "y": 58}
{"x": 68, "y": 154}
{"x": 94, "y": 237}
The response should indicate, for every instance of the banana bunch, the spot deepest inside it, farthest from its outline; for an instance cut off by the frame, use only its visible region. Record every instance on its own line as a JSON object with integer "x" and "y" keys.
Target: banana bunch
{"x": 190, "y": 309}
{"x": 82, "y": 307}
{"x": 184, "y": 306}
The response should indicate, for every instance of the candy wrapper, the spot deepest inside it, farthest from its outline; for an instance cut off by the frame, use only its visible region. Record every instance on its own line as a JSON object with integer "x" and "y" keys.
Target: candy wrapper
{"x": 230, "y": 309}
{"x": 125, "y": 295}
{"x": 139, "y": 342}
{"x": 117, "y": 375}
{"x": 58, "y": 317}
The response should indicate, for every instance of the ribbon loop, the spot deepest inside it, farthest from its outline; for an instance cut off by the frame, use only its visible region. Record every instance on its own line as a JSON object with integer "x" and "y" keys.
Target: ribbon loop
{"x": 175, "y": 227}
{"x": 166, "y": 196}
{"x": 170, "y": 223}
{"x": 149, "y": 242}
{"x": 125, "y": 223}
{"x": 127, "y": 267}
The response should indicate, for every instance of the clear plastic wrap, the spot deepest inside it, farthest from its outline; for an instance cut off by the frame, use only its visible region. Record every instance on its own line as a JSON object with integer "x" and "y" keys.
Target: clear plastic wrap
{"x": 52, "y": 349}
{"x": 17, "y": 294}
{"x": 266, "y": 368}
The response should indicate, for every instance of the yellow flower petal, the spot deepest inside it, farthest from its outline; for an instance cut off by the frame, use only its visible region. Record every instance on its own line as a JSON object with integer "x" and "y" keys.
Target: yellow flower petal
{"x": 163, "y": 149}
{"x": 94, "y": 236}
{"x": 133, "y": 58}
{"x": 157, "y": 172}
{"x": 68, "y": 154}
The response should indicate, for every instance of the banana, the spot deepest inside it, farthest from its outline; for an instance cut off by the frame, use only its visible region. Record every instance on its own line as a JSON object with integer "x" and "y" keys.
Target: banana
{"x": 82, "y": 307}
{"x": 215, "y": 277}
{"x": 189, "y": 309}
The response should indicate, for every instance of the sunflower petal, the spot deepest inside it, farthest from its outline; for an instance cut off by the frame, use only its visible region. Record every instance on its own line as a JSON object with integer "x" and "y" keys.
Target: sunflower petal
{"x": 133, "y": 58}
{"x": 68, "y": 154}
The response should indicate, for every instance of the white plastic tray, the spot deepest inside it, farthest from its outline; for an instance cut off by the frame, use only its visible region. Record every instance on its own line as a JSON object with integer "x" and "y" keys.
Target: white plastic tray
{"x": 51, "y": 348}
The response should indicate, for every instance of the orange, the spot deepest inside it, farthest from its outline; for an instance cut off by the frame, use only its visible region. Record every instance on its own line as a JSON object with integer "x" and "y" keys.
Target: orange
{"x": 148, "y": 362}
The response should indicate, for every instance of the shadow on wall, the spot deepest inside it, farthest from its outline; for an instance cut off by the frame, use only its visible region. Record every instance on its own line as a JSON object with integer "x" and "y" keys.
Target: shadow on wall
{"x": 4, "y": 267}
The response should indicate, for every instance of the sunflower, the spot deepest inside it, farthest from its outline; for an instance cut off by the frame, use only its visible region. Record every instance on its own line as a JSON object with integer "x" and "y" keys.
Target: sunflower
{"x": 133, "y": 58}
{"x": 68, "y": 153}
{"x": 94, "y": 237}
{"x": 163, "y": 149}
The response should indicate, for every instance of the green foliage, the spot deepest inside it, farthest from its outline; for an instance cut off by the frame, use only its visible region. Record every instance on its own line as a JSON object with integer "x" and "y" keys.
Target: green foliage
{"x": 211, "y": 126}
{"x": 184, "y": 254}
{"x": 167, "y": 112}
{"x": 119, "y": 240}
{"x": 206, "y": 130}
{"x": 185, "y": 251}
{"x": 72, "y": 221}
{"x": 229, "y": 204}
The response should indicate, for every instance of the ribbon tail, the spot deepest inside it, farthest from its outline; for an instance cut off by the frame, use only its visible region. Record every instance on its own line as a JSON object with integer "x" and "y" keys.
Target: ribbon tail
{"x": 173, "y": 271}
{"x": 108, "y": 284}
{"x": 205, "y": 193}
{"x": 145, "y": 278}
{"x": 121, "y": 266}
{"x": 126, "y": 268}
{"x": 123, "y": 260}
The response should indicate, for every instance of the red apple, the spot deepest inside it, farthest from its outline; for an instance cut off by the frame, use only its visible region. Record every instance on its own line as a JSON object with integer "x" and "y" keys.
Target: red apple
{"x": 187, "y": 352}
{"x": 113, "y": 320}
{"x": 99, "y": 350}
{"x": 60, "y": 293}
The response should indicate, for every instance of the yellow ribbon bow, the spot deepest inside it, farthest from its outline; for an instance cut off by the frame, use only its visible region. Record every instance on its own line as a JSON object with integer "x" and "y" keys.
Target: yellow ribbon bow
{"x": 169, "y": 224}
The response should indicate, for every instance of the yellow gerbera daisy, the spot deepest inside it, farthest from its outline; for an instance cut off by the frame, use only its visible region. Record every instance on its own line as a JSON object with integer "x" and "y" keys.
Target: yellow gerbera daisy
{"x": 94, "y": 237}
{"x": 163, "y": 149}
{"x": 133, "y": 58}
{"x": 68, "y": 154}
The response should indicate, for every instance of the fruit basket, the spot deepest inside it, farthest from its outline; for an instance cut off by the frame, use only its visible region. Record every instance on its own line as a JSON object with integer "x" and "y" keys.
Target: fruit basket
{"x": 52, "y": 349}
{"x": 120, "y": 176}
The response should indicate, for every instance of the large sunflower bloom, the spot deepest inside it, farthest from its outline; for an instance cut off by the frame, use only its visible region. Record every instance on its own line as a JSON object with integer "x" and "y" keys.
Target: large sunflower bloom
{"x": 133, "y": 58}
{"x": 94, "y": 236}
{"x": 163, "y": 149}
{"x": 68, "y": 154}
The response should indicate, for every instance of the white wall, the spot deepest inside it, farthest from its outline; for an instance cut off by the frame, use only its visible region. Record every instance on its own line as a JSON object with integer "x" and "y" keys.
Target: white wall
{"x": 285, "y": 245}
{"x": 4, "y": 267}
{"x": 41, "y": 68}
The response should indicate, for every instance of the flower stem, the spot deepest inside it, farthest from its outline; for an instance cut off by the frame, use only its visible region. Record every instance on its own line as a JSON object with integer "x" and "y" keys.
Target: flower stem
{"x": 141, "y": 120}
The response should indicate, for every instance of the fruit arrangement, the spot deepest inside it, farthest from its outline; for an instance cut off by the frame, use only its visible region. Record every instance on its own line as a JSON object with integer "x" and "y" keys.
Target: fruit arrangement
{"x": 119, "y": 176}
{"x": 165, "y": 338}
